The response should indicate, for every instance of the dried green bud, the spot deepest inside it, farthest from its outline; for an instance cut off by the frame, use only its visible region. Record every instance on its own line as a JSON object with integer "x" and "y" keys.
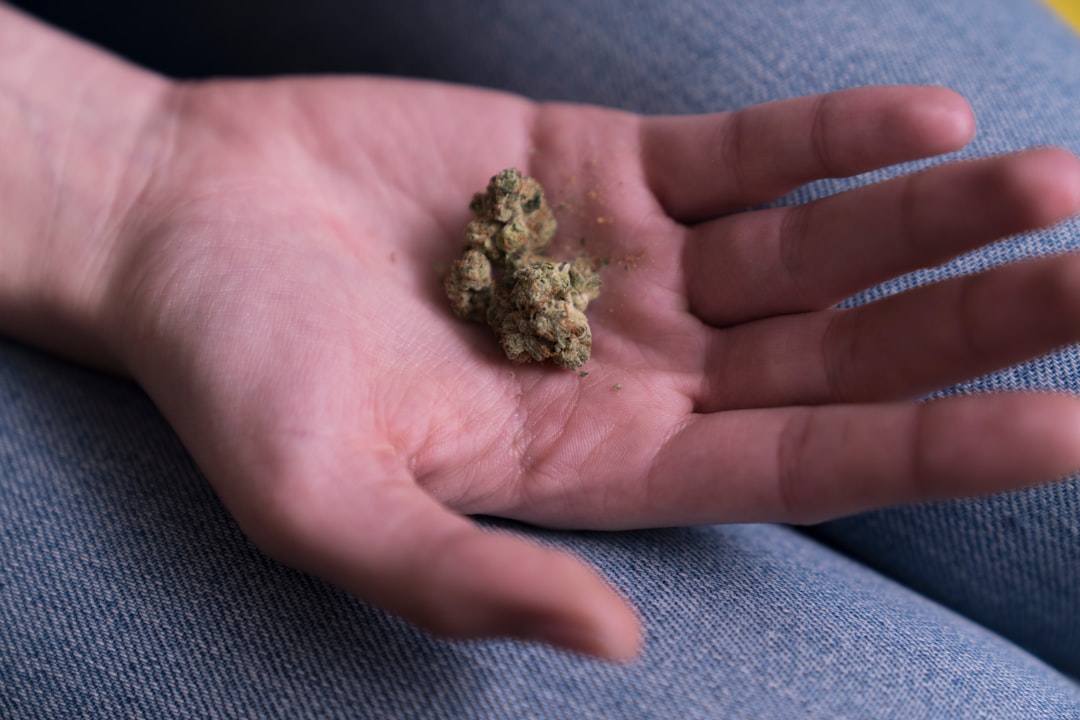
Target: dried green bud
{"x": 513, "y": 221}
{"x": 542, "y": 320}
{"x": 585, "y": 282}
{"x": 535, "y": 306}
{"x": 469, "y": 285}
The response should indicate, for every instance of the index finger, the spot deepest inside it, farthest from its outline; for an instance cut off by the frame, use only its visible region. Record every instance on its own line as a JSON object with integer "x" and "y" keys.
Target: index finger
{"x": 705, "y": 165}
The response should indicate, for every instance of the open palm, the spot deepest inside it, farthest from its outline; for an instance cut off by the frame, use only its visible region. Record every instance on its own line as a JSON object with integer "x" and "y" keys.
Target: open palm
{"x": 276, "y": 291}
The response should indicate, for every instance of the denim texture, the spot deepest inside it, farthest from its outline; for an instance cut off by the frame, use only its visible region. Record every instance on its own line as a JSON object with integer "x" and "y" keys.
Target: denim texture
{"x": 126, "y": 590}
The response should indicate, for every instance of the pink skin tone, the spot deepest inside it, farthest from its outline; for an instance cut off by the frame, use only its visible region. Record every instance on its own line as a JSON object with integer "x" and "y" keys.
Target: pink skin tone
{"x": 260, "y": 257}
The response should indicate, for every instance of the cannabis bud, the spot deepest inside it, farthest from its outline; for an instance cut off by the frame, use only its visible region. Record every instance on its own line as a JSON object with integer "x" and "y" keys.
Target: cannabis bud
{"x": 535, "y": 306}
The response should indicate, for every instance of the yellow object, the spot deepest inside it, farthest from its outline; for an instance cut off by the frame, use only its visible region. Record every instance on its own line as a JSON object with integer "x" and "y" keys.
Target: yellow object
{"x": 1068, "y": 9}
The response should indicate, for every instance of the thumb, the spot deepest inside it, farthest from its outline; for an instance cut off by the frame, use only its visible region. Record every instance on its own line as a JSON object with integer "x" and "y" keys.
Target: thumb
{"x": 374, "y": 532}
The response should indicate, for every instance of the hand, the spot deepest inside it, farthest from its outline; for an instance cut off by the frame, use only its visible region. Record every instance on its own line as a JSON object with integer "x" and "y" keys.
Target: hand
{"x": 274, "y": 288}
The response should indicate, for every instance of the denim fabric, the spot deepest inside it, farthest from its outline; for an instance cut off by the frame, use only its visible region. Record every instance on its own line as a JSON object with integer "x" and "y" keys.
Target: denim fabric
{"x": 126, "y": 591}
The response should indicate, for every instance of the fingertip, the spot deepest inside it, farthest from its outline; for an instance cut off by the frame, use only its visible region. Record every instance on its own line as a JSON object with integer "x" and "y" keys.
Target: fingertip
{"x": 600, "y": 640}
{"x": 1060, "y": 186}
{"x": 1047, "y": 184}
{"x": 941, "y": 118}
{"x": 626, "y": 637}
{"x": 1047, "y": 425}
{"x": 1054, "y": 421}
{"x": 614, "y": 636}
{"x": 616, "y": 632}
{"x": 1011, "y": 441}
{"x": 578, "y": 611}
{"x": 504, "y": 586}
{"x": 956, "y": 118}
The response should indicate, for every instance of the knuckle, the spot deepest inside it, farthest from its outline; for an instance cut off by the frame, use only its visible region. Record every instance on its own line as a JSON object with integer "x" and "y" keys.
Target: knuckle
{"x": 792, "y": 480}
{"x": 821, "y": 136}
{"x": 730, "y": 147}
{"x": 793, "y": 231}
{"x": 840, "y": 354}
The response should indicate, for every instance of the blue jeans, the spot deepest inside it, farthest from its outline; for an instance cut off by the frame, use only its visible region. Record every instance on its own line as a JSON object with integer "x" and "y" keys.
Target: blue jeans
{"x": 127, "y": 591}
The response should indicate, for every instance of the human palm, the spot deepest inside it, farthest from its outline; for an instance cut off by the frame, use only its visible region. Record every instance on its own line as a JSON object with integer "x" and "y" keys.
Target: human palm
{"x": 276, "y": 292}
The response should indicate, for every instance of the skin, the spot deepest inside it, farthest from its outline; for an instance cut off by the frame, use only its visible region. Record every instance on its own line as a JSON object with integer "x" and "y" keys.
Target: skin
{"x": 260, "y": 257}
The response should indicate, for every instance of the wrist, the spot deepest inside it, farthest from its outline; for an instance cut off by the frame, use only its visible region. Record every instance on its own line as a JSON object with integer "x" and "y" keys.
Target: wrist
{"x": 81, "y": 132}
